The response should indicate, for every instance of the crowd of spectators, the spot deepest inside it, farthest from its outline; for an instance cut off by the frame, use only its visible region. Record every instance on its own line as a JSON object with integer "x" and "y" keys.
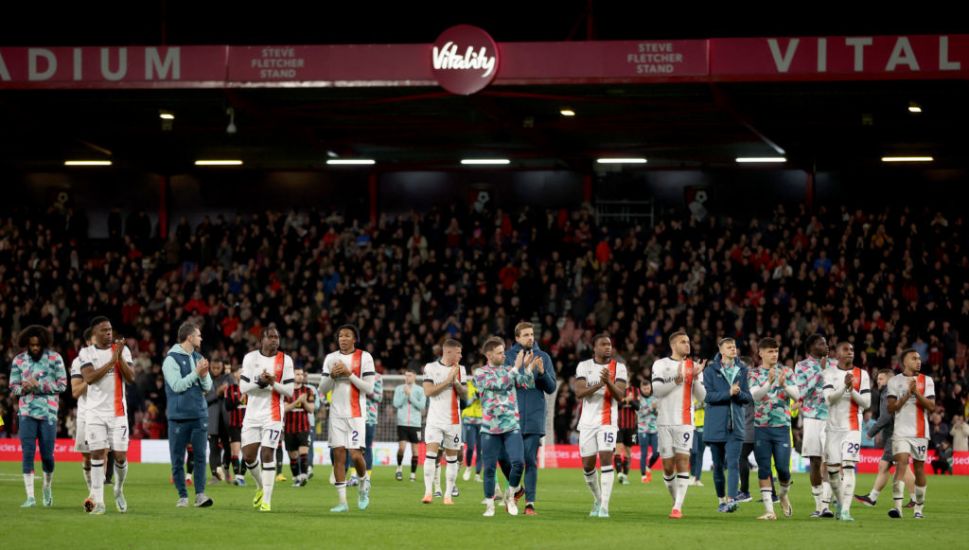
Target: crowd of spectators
{"x": 885, "y": 279}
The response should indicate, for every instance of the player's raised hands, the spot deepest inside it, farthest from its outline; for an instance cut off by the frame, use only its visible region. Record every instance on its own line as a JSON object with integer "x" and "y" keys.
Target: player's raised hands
{"x": 202, "y": 368}
{"x": 339, "y": 370}
{"x": 118, "y": 348}
{"x": 698, "y": 367}
{"x": 537, "y": 364}
{"x": 680, "y": 373}
{"x": 771, "y": 375}
{"x": 913, "y": 388}
{"x": 849, "y": 380}
{"x": 604, "y": 375}
{"x": 519, "y": 359}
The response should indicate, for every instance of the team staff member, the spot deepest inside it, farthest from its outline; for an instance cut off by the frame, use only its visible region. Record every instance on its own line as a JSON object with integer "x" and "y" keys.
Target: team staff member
{"x": 531, "y": 404}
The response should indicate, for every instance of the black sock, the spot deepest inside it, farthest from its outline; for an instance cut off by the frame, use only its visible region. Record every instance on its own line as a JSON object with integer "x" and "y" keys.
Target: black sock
{"x": 413, "y": 465}
{"x": 235, "y": 466}
{"x": 109, "y": 467}
{"x": 279, "y": 460}
{"x": 400, "y": 458}
{"x": 294, "y": 467}
{"x": 304, "y": 463}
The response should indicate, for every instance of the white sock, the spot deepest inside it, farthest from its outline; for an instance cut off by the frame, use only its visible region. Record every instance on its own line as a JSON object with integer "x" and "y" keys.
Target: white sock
{"x": 834, "y": 490}
{"x": 268, "y": 481}
{"x": 920, "y": 498}
{"x": 826, "y": 493}
{"x": 87, "y": 477}
{"x": 608, "y": 477}
{"x": 120, "y": 473}
{"x": 784, "y": 489}
{"x": 341, "y": 491}
{"x": 48, "y": 479}
{"x": 451, "y": 475}
{"x": 97, "y": 481}
{"x": 592, "y": 481}
{"x": 437, "y": 476}
{"x": 254, "y": 470}
{"x": 873, "y": 495}
{"x": 430, "y": 468}
{"x": 670, "y": 482}
{"x": 817, "y": 491}
{"x": 765, "y": 495}
{"x": 29, "y": 484}
{"x": 682, "y": 483}
{"x": 847, "y": 486}
{"x": 898, "y": 494}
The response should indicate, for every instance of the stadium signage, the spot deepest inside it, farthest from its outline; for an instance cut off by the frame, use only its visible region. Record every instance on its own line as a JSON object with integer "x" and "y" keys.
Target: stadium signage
{"x": 82, "y": 64}
{"x": 464, "y": 59}
{"x": 838, "y": 58}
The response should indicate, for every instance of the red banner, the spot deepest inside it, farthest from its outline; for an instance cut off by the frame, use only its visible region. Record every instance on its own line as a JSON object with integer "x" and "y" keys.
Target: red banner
{"x": 114, "y": 67}
{"x": 10, "y": 451}
{"x": 554, "y": 456}
{"x": 324, "y": 66}
{"x": 602, "y": 62}
{"x": 840, "y": 58}
{"x": 567, "y": 456}
{"x": 522, "y": 63}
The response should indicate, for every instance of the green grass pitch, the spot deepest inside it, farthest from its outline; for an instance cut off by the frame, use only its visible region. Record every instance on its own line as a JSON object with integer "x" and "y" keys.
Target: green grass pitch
{"x": 397, "y": 519}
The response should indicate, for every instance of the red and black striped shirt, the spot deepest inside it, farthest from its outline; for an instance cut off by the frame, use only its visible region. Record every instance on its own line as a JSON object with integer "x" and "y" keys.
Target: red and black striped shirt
{"x": 298, "y": 419}
{"x": 235, "y": 405}
{"x": 627, "y": 411}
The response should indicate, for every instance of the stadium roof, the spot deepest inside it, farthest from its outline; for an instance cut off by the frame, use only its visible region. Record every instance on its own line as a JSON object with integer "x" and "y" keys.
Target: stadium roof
{"x": 815, "y": 124}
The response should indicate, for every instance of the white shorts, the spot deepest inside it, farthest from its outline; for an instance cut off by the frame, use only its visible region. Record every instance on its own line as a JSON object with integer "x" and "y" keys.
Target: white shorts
{"x": 448, "y": 437}
{"x": 914, "y": 446}
{"x": 813, "y": 440}
{"x": 599, "y": 439}
{"x": 675, "y": 440}
{"x": 267, "y": 435}
{"x": 349, "y": 433}
{"x": 841, "y": 446}
{"x": 106, "y": 433}
{"x": 80, "y": 435}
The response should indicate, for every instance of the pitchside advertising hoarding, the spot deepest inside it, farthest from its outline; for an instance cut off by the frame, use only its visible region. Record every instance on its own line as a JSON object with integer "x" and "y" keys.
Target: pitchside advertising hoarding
{"x": 465, "y": 59}
{"x": 155, "y": 451}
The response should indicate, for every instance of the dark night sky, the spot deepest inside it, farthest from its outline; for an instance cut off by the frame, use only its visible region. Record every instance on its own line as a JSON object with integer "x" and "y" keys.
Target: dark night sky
{"x": 326, "y": 22}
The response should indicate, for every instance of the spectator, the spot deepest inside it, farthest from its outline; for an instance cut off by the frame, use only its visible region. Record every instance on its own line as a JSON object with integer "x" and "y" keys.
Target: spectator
{"x": 943, "y": 461}
{"x": 939, "y": 430}
{"x": 883, "y": 290}
{"x": 960, "y": 434}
